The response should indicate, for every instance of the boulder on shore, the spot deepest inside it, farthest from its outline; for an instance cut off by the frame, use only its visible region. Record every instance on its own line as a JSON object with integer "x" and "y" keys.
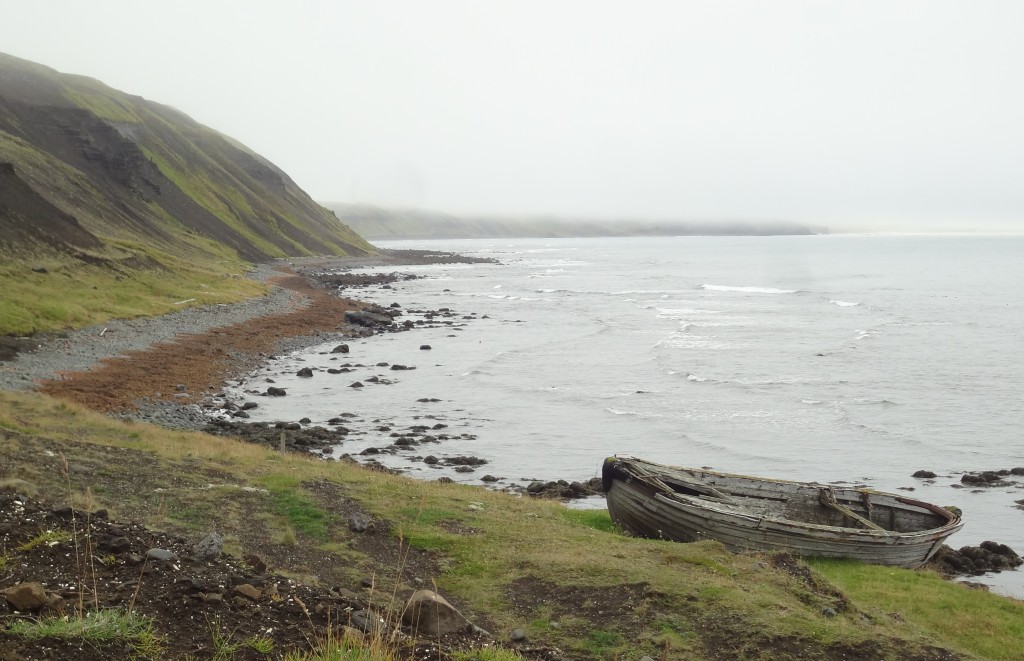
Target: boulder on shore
{"x": 429, "y": 613}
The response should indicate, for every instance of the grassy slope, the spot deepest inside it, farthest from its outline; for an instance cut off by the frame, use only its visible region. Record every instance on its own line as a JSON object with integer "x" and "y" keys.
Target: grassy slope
{"x": 680, "y": 600}
{"x": 178, "y": 208}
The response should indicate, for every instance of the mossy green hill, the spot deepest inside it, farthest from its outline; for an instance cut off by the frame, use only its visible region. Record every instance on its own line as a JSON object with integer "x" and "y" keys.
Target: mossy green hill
{"x": 96, "y": 184}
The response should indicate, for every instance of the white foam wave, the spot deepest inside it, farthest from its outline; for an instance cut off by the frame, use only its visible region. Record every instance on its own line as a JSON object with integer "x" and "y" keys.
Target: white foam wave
{"x": 843, "y": 304}
{"x": 695, "y": 378}
{"x": 749, "y": 290}
{"x": 687, "y": 311}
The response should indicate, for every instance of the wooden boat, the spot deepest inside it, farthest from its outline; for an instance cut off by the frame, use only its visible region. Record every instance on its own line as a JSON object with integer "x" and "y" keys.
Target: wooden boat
{"x": 755, "y": 514}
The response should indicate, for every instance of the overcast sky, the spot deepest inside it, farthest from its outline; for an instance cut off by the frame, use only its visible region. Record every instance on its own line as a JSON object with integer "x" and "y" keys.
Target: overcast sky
{"x": 895, "y": 114}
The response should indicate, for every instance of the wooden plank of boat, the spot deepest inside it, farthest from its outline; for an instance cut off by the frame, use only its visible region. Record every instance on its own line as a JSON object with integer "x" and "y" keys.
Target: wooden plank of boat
{"x": 828, "y": 499}
{"x": 686, "y": 481}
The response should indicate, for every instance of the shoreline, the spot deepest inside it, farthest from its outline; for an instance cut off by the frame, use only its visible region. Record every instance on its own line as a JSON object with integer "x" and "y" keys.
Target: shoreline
{"x": 114, "y": 366}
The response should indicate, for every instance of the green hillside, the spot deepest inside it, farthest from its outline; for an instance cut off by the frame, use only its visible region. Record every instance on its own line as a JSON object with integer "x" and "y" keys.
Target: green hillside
{"x": 99, "y": 187}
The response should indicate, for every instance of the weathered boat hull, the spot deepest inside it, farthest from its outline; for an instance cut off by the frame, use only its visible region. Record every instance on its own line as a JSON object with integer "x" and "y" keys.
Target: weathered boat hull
{"x": 773, "y": 515}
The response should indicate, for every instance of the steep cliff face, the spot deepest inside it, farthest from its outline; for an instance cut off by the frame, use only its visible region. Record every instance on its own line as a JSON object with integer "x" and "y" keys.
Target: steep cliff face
{"x": 93, "y": 173}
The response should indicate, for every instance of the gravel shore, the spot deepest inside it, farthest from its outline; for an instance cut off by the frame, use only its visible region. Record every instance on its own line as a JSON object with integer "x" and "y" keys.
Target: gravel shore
{"x": 80, "y": 349}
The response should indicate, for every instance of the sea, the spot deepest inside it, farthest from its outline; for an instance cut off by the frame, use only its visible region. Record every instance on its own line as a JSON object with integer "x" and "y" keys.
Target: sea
{"x": 844, "y": 359}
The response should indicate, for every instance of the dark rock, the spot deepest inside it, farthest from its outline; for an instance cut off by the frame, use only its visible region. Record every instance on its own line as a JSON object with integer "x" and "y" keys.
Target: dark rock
{"x": 256, "y": 563}
{"x": 209, "y": 548}
{"x": 990, "y": 556}
{"x": 305, "y": 372}
{"x": 366, "y": 621}
{"x": 397, "y": 367}
{"x": 924, "y": 474}
{"x": 304, "y": 421}
{"x": 424, "y": 347}
{"x": 249, "y": 405}
{"x": 983, "y": 479}
{"x": 161, "y": 555}
{"x": 357, "y": 384}
{"x": 365, "y": 318}
{"x": 276, "y": 392}
{"x": 113, "y": 544}
{"x": 489, "y": 478}
{"x": 517, "y": 636}
{"x": 341, "y": 348}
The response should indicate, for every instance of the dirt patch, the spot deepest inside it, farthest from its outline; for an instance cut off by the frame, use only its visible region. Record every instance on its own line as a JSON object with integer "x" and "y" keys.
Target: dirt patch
{"x": 89, "y": 562}
{"x": 12, "y": 346}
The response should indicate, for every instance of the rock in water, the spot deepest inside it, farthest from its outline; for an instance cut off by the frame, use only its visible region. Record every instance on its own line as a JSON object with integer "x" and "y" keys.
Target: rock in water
{"x": 341, "y": 348}
{"x": 305, "y": 371}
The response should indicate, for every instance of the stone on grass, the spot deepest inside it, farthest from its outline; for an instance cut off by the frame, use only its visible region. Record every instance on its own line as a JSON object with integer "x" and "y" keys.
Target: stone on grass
{"x": 429, "y": 613}
{"x": 26, "y": 596}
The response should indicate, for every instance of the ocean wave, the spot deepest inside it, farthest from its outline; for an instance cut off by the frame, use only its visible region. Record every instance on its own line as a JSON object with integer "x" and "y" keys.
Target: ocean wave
{"x": 749, "y": 290}
{"x": 875, "y": 402}
{"x": 843, "y": 304}
{"x": 695, "y": 378}
{"x": 686, "y": 311}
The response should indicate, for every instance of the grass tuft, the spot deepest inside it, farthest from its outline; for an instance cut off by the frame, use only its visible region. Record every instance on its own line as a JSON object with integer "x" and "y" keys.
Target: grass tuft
{"x": 103, "y": 627}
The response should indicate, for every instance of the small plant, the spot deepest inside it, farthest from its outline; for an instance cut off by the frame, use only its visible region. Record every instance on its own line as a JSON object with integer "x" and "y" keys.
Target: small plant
{"x": 261, "y": 644}
{"x": 346, "y": 648}
{"x": 101, "y": 627}
{"x": 224, "y": 647}
{"x": 48, "y": 538}
{"x": 600, "y": 642}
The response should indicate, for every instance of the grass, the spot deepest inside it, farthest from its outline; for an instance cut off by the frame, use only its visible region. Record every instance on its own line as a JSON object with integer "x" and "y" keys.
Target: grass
{"x": 49, "y": 537}
{"x": 971, "y": 620}
{"x": 302, "y": 512}
{"x": 72, "y": 295}
{"x": 695, "y": 594}
{"x": 105, "y": 627}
